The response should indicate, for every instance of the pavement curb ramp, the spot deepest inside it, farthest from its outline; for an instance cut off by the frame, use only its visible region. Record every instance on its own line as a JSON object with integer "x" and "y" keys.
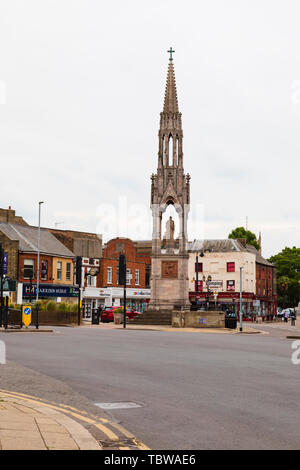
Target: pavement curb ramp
{"x": 34, "y": 426}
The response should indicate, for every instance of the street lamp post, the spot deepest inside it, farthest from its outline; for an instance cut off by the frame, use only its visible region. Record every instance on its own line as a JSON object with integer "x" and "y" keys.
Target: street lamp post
{"x": 38, "y": 254}
{"x": 241, "y": 297}
{"x": 197, "y": 277}
{"x": 207, "y": 287}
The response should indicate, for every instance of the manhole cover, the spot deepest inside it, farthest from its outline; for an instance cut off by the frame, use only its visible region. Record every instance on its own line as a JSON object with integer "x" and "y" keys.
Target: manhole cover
{"x": 118, "y": 405}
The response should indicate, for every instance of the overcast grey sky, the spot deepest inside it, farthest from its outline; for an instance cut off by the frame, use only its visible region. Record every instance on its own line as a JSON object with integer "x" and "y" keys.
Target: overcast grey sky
{"x": 81, "y": 88}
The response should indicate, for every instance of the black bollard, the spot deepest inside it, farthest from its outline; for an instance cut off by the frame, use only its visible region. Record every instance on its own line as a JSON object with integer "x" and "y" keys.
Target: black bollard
{"x": 6, "y": 313}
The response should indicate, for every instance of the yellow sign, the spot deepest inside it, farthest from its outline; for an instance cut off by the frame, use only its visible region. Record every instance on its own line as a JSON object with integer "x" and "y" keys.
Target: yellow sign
{"x": 26, "y": 315}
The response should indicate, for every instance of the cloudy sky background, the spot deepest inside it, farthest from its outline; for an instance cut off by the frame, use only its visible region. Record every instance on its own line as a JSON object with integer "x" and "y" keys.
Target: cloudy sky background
{"x": 81, "y": 88}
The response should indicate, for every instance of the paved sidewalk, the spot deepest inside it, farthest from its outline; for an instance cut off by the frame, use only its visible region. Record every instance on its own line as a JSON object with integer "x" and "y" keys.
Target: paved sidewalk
{"x": 129, "y": 326}
{"x": 25, "y": 426}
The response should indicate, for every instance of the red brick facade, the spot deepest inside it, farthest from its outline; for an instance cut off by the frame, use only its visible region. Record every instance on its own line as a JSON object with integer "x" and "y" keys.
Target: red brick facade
{"x": 107, "y": 276}
{"x": 266, "y": 287}
{"x": 33, "y": 256}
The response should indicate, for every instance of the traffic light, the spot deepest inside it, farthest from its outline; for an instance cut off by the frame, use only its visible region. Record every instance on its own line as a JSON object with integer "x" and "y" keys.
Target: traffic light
{"x": 78, "y": 270}
{"x": 122, "y": 270}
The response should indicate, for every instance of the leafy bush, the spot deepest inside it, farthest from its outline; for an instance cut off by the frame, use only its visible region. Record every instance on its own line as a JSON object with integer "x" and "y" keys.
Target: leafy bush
{"x": 72, "y": 307}
{"x": 62, "y": 307}
{"x": 119, "y": 310}
{"x": 41, "y": 305}
{"x": 51, "y": 306}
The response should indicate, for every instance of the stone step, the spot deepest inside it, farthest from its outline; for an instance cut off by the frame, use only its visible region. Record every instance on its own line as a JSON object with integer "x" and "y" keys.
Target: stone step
{"x": 153, "y": 318}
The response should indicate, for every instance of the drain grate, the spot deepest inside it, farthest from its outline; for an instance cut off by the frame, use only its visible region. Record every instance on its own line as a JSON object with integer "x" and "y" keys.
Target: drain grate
{"x": 118, "y": 405}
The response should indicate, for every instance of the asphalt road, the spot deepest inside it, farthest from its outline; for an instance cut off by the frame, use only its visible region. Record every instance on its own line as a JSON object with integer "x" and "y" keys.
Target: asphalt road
{"x": 197, "y": 390}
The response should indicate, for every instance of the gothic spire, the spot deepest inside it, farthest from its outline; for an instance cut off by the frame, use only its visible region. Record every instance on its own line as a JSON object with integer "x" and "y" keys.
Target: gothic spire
{"x": 171, "y": 102}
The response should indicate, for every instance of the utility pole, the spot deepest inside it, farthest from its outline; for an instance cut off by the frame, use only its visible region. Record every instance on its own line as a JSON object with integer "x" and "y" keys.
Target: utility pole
{"x": 241, "y": 298}
{"x": 38, "y": 254}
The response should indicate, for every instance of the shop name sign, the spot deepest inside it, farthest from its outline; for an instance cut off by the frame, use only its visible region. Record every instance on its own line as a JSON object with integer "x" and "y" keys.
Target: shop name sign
{"x": 48, "y": 290}
{"x": 215, "y": 284}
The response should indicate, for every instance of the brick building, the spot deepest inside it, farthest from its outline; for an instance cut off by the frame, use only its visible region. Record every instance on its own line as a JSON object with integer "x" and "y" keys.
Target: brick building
{"x": 222, "y": 260}
{"x": 11, "y": 250}
{"x": 110, "y": 292}
{"x": 56, "y": 266}
{"x": 9, "y": 215}
{"x": 88, "y": 246}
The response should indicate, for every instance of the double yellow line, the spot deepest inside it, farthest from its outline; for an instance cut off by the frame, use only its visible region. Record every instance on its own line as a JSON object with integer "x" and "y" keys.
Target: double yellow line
{"x": 100, "y": 423}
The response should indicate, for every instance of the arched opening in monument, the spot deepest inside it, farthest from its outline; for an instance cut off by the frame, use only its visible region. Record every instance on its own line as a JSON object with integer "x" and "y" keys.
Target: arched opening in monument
{"x": 169, "y": 226}
{"x": 170, "y": 140}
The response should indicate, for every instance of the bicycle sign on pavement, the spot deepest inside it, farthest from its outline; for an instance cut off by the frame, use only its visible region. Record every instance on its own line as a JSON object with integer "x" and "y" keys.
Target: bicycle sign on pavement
{"x": 26, "y": 315}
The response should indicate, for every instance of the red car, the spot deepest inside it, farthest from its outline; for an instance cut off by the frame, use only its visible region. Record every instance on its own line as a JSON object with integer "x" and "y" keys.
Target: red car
{"x": 107, "y": 315}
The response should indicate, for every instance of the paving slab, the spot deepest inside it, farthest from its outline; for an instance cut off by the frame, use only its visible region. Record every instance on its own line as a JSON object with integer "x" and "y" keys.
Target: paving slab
{"x": 29, "y": 426}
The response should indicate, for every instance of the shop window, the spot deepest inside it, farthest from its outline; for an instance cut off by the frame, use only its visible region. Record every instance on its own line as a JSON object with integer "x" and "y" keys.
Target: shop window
{"x": 28, "y": 269}
{"x": 200, "y": 267}
{"x": 230, "y": 286}
{"x": 137, "y": 277}
{"x": 148, "y": 274}
{"x": 109, "y": 275}
{"x": 230, "y": 267}
{"x": 44, "y": 270}
{"x": 68, "y": 272}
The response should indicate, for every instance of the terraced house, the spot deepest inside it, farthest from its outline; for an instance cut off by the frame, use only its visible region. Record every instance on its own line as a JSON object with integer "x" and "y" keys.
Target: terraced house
{"x": 56, "y": 267}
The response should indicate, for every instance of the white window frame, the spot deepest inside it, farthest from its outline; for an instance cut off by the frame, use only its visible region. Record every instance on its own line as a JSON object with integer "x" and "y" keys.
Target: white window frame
{"x": 109, "y": 275}
{"x": 137, "y": 277}
{"x": 128, "y": 274}
{"x": 59, "y": 270}
{"x": 28, "y": 266}
{"x": 68, "y": 273}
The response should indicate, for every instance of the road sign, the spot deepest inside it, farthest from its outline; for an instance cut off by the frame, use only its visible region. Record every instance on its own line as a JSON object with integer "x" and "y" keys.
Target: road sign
{"x": 26, "y": 315}
{"x": 5, "y": 262}
{"x": 215, "y": 284}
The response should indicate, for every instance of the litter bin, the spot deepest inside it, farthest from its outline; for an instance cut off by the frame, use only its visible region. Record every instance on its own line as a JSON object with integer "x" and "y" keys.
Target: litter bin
{"x": 293, "y": 320}
{"x": 230, "y": 321}
{"x": 95, "y": 316}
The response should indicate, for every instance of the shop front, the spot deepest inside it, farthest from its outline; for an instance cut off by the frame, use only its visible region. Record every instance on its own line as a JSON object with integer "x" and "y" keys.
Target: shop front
{"x": 94, "y": 297}
{"x": 226, "y": 301}
{"x": 56, "y": 292}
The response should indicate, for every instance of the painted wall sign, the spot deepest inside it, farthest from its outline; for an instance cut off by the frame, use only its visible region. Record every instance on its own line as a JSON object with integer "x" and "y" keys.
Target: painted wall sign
{"x": 50, "y": 290}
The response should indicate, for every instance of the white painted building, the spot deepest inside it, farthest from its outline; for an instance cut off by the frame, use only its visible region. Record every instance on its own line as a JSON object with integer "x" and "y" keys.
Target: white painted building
{"x": 222, "y": 260}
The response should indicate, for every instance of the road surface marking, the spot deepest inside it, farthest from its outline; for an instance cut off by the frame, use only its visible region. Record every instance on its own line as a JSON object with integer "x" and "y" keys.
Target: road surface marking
{"x": 118, "y": 405}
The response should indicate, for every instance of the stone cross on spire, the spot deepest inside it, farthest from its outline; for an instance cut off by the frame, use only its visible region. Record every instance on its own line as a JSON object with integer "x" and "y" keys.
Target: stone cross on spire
{"x": 170, "y": 51}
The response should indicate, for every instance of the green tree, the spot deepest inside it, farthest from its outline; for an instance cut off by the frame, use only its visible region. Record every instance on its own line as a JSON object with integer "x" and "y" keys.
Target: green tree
{"x": 287, "y": 264}
{"x": 241, "y": 232}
